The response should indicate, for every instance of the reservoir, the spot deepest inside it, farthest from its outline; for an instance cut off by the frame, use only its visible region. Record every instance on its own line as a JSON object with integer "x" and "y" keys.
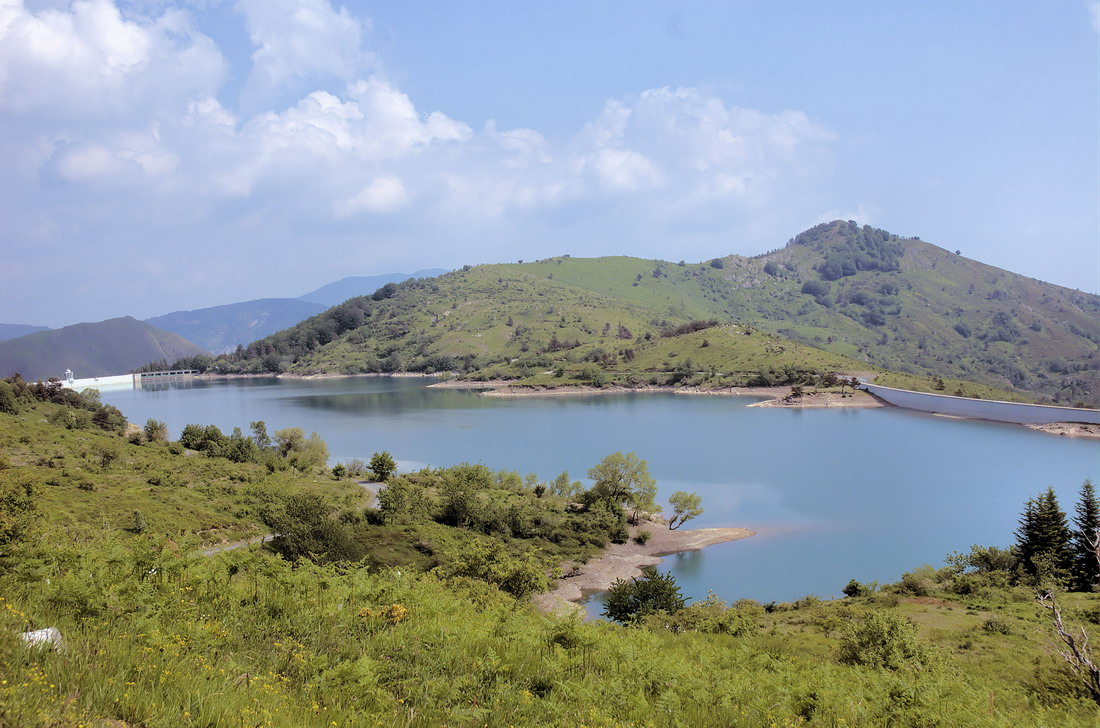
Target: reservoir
{"x": 833, "y": 494}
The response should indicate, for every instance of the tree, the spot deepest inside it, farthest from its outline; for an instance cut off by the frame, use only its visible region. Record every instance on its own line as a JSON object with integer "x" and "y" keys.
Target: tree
{"x": 155, "y": 430}
{"x": 630, "y": 600}
{"x": 1043, "y": 539}
{"x": 383, "y": 465}
{"x": 259, "y": 434}
{"x": 289, "y": 439}
{"x": 623, "y": 480}
{"x": 1087, "y": 522}
{"x": 685, "y": 506}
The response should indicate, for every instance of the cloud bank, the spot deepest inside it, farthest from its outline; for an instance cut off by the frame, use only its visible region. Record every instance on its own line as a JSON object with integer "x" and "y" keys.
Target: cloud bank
{"x": 121, "y": 147}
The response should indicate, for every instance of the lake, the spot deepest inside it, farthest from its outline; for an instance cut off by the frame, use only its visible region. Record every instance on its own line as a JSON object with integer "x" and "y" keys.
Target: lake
{"x": 833, "y": 494}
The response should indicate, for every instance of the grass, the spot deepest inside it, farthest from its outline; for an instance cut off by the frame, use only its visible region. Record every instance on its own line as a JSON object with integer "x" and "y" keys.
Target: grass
{"x": 212, "y": 498}
{"x": 155, "y": 634}
{"x": 938, "y": 315}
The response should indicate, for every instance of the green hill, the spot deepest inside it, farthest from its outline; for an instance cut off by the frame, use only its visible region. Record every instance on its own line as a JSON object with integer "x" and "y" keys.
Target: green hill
{"x": 861, "y": 294}
{"x": 114, "y": 346}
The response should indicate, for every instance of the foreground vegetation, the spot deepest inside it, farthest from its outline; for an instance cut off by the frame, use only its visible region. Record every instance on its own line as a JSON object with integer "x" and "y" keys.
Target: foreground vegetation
{"x": 416, "y": 613}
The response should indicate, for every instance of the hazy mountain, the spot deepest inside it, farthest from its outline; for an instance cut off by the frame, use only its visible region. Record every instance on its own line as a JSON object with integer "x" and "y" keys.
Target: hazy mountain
{"x": 339, "y": 291}
{"x": 14, "y": 331}
{"x": 114, "y": 346}
{"x": 221, "y": 328}
{"x": 897, "y": 303}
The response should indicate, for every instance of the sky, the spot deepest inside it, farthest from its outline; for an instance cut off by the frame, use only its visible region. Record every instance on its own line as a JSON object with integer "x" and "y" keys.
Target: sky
{"x": 158, "y": 155}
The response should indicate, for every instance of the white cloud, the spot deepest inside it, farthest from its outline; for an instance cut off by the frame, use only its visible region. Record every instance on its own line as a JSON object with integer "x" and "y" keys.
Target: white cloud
{"x": 382, "y": 195}
{"x": 299, "y": 40}
{"x": 91, "y": 63}
{"x": 122, "y": 113}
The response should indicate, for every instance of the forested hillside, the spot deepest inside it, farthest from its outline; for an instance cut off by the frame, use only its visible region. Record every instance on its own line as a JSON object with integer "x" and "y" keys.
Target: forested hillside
{"x": 863, "y": 294}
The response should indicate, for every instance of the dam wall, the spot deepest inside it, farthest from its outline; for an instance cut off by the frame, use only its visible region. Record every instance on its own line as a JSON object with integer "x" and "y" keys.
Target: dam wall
{"x": 982, "y": 409}
{"x": 130, "y": 381}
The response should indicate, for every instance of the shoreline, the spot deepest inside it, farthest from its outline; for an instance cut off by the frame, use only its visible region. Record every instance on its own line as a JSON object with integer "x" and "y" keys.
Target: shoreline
{"x": 626, "y": 560}
{"x": 771, "y": 396}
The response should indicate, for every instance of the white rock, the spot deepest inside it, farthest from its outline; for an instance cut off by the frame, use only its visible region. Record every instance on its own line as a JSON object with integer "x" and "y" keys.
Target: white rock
{"x": 49, "y": 637}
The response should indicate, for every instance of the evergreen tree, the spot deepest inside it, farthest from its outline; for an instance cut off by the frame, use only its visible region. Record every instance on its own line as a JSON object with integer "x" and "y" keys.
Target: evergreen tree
{"x": 1087, "y": 522}
{"x": 1043, "y": 539}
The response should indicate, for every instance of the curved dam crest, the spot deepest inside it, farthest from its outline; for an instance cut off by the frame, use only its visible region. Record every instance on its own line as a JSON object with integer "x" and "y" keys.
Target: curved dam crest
{"x": 983, "y": 409}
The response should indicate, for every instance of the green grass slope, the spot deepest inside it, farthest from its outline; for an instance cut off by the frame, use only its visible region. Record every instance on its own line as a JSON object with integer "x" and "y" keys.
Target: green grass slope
{"x": 879, "y": 301}
{"x": 158, "y": 635}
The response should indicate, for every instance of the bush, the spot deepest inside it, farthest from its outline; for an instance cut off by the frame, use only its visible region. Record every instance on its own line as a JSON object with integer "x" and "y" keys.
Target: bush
{"x": 886, "y": 641}
{"x": 997, "y": 624}
{"x": 854, "y": 589}
{"x": 630, "y": 600}
{"x": 642, "y": 537}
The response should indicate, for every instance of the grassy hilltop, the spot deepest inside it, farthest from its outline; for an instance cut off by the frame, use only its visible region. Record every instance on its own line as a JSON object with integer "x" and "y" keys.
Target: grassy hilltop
{"x": 836, "y": 298}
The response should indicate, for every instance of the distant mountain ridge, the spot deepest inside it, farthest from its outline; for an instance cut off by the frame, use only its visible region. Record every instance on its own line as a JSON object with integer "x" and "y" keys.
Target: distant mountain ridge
{"x": 14, "y": 331}
{"x": 339, "y": 291}
{"x": 220, "y": 329}
{"x": 114, "y": 346}
{"x": 861, "y": 292}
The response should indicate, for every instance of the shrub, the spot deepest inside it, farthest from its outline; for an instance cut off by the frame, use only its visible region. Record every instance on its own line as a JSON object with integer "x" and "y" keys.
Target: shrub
{"x": 633, "y": 599}
{"x": 997, "y": 624}
{"x": 642, "y": 537}
{"x": 886, "y": 641}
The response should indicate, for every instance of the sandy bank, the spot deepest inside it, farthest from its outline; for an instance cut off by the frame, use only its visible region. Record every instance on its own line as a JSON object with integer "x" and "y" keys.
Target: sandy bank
{"x": 1069, "y": 429}
{"x": 622, "y": 561}
{"x": 824, "y": 399}
{"x": 775, "y": 396}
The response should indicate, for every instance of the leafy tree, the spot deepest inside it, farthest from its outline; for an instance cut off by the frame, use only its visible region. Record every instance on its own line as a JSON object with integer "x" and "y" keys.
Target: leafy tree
{"x": 561, "y": 486}
{"x": 306, "y": 529}
{"x": 383, "y": 466}
{"x": 629, "y": 600}
{"x": 623, "y": 480}
{"x": 311, "y": 453}
{"x": 155, "y": 430}
{"x": 1043, "y": 539}
{"x": 1087, "y": 522}
{"x": 401, "y": 499}
{"x": 685, "y": 506}
{"x": 289, "y": 439}
{"x": 259, "y": 434}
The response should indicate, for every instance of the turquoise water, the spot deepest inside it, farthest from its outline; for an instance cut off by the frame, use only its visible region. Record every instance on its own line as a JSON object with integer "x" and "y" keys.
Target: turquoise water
{"x": 832, "y": 494}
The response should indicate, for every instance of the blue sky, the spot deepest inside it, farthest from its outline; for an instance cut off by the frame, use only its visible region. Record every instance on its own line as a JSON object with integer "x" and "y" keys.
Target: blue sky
{"x": 160, "y": 155}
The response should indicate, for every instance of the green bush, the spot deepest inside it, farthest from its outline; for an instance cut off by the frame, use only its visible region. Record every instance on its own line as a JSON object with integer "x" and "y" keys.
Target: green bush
{"x": 887, "y": 641}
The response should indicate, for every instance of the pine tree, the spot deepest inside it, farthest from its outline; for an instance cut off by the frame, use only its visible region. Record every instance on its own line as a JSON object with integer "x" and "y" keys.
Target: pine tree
{"x": 1087, "y": 522}
{"x": 1043, "y": 539}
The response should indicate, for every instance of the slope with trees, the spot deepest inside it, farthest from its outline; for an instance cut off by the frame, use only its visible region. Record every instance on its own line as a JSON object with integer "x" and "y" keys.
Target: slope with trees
{"x": 857, "y": 296}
